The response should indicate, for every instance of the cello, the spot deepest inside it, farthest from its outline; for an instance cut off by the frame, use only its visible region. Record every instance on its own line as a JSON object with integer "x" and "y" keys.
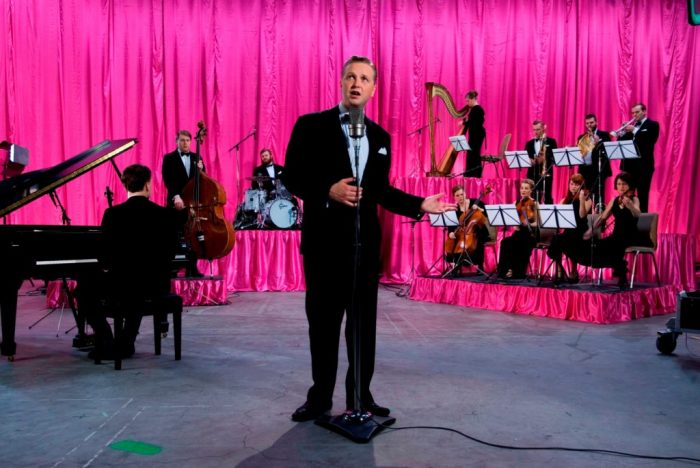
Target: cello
{"x": 207, "y": 232}
{"x": 467, "y": 234}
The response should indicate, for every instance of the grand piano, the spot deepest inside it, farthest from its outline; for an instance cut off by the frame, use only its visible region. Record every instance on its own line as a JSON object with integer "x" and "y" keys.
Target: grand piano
{"x": 46, "y": 251}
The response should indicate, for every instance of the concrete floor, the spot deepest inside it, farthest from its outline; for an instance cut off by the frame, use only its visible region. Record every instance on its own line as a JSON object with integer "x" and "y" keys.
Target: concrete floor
{"x": 506, "y": 379}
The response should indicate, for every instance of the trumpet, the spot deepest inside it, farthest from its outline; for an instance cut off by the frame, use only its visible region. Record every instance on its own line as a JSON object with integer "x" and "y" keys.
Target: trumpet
{"x": 621, "y": 131}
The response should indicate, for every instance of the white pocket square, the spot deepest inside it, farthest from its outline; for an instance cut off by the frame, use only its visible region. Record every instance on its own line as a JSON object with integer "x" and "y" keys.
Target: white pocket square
{"x": 644, "y": 130}
{"x": 382, "y": 150}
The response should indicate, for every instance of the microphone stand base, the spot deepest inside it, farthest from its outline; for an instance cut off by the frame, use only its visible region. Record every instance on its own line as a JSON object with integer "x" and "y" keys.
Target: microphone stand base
{"x": 355, "y": 425}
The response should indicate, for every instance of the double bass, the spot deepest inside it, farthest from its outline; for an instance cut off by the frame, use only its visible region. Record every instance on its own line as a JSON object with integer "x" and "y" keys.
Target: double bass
{"x": 467, "y": 234}
{"x": 209, "y": 235}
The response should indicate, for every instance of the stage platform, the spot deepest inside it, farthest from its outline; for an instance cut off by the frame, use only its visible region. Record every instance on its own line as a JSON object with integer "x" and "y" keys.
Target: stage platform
{"x": 194, "y": 291}
{"x": 583, "y": 302}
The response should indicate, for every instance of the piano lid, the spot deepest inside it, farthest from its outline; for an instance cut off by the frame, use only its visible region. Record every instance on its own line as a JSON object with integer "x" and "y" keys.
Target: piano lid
{"x": 18, "y": 191}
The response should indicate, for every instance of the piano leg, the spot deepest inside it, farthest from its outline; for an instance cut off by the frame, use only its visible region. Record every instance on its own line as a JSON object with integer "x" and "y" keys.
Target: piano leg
{"x": 9, "y": 290}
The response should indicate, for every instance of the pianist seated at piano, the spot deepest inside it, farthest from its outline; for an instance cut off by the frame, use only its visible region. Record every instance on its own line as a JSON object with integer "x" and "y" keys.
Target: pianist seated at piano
{"x": 139, "y": 242}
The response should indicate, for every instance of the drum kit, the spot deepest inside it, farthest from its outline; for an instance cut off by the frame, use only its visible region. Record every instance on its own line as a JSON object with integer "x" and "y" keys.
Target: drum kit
{"x": 261, "y": 209}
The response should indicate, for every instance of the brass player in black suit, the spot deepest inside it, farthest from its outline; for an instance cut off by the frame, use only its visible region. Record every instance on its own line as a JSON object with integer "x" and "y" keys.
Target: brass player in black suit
{"x": 318, "y": 170}
{"x": 542, "y": 169}
{"x": 268, "y": 168}
{"x": 645, "y": 133}
{"x": 593, "y": 154}
{"x": 139, "y": 240}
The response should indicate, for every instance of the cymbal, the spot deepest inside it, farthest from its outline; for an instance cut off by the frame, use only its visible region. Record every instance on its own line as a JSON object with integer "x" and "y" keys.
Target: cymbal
{"x": 260, "y": 178}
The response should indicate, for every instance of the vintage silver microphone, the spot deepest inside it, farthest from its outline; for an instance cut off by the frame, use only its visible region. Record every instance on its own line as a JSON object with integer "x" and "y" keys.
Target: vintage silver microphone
{"x": 357, "y": 124}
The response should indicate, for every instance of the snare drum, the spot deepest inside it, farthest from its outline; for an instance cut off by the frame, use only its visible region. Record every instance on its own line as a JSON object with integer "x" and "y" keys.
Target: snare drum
{"x": 255, "y": 200}
{"x": 281, "y": 213}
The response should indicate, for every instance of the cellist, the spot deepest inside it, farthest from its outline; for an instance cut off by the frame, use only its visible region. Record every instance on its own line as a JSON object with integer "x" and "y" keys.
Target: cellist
{"x": 178, "y": 168}
{"x": 465, "y": 206}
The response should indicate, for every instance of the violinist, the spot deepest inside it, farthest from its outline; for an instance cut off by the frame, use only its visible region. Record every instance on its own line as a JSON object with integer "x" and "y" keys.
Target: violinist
{"x": 516, "y": 249}
{"x": 624, "y": 208}
{"x": 466, "y": 208}
{"x": 570, "y": 241}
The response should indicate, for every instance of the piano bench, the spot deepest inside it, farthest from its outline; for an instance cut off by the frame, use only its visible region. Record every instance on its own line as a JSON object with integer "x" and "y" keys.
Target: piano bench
{"x": 158, "y": 308}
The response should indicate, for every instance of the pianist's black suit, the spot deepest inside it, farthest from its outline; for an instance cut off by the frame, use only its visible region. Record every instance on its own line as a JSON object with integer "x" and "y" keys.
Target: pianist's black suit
{"x": 327, "y": 240}
{"x": 139, "y": 241}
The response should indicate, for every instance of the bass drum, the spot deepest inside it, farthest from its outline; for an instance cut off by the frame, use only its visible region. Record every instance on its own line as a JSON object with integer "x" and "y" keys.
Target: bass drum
{"x": 281, "y": 213}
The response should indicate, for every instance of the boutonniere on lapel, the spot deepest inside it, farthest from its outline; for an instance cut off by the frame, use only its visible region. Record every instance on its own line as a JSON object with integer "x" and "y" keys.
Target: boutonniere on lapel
{"x": 382, "y": 151}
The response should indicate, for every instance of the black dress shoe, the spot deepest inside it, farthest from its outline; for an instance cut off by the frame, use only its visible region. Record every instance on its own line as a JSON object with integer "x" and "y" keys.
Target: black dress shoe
{"x": 378, "y": 410}
{"x": 307, "y": 412}
{"x": 101, "y": 355}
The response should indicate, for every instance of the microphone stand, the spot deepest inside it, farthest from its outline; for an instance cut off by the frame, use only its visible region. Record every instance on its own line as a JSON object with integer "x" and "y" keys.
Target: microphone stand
{"x": 65, "y": 220}
{"x": 357, "y": 425}
{"x": 237, "y": 147}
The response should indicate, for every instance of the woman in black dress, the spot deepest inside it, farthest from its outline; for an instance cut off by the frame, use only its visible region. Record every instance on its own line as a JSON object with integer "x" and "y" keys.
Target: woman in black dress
{"x": 516, "y": 249}
{"x": 474, "y": 125}
{"x": 570, "y": 242}
{"x": 624, "y": 208}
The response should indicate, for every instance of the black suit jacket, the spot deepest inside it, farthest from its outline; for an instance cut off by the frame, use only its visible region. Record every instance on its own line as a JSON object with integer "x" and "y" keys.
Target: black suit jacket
{"x": 261, "y": 170}
{"x": 174, "y": 174}
{"x": 598, "y": 153}
{"x": 534, "y": 172}
{"x": 645, "y": 139}
{"x": 139, "y": 241}
{"x": 317, "y": 157}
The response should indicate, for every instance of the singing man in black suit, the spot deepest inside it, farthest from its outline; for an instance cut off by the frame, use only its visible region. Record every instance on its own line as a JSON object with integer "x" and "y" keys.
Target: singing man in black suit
{"x": 542, "y": 169}
{"x": 319, "y": 169}
{"x": 645, "y": 133}
{"x": 592, "y": 141}
{"x": 268, "y": 168}
{"x": 139, "y": 240}
{"x": 178, "y": 168}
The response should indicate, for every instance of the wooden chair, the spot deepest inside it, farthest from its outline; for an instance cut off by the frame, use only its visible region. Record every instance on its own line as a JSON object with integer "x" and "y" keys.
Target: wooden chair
{"x": 159, "y": 308}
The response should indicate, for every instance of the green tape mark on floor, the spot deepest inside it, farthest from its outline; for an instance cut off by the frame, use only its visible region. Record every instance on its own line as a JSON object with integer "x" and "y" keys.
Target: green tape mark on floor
{"x": 134, "y": 446}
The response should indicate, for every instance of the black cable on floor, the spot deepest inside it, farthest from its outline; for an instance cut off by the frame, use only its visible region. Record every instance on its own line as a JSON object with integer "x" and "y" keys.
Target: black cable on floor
{"x": 554, "y": 448}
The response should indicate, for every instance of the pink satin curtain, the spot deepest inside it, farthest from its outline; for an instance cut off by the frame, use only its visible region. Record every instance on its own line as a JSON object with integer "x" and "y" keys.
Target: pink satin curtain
{"x": 73, "y": 73}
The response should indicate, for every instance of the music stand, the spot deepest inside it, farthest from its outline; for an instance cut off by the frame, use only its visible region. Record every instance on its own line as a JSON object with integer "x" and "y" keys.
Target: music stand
{"x": 621, "y": 150}
{"x": 518, "y": 159}
{"x": 502, "y": 215}
{"x": 556, "y": 217}
{"x": 569, "y": 156}
{"x": 443, "y": 220}
{"x": 459, "y": 143}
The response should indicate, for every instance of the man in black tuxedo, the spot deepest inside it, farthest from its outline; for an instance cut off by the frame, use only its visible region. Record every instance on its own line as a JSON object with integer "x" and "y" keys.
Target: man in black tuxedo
{"x": 319, "y": 169}
{"x": 268, "y": 168}
{"x": 645, "y": 133}
{"x": 594, "y": 138}
{"x": 543, "y": 178}
{"x": 139, "y": 240}
{"x": 178, "y": 168}
{"x": 474, "y": 126}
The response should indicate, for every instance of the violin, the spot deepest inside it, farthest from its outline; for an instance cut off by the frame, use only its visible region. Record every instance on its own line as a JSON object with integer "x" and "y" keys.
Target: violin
{"x": 527, "y": 210}
{"x": 470, "y": 223}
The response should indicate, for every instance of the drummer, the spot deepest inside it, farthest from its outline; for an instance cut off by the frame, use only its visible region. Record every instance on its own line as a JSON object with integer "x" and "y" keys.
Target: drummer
{"x": 268, "y": 168}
